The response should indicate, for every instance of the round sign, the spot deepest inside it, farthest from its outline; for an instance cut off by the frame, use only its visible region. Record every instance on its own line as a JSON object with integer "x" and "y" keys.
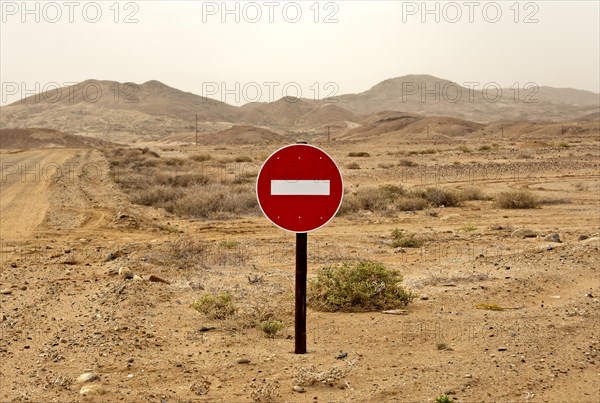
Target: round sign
{"x": 299, "y": 188}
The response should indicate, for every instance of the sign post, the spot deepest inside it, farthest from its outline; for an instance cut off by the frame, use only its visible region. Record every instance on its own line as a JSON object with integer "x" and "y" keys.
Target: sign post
{"x": 300, "y": 189}
{"x": 301, "y": 272}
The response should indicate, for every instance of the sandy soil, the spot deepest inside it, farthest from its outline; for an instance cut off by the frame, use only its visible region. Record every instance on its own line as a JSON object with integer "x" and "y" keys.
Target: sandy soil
{"x": 65, "y": 311}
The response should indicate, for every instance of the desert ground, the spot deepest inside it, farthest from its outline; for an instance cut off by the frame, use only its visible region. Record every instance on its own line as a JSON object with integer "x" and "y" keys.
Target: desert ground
{"x": 75, "y": 228}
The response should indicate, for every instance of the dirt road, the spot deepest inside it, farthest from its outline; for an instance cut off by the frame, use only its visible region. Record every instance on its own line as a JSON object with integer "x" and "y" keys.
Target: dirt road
{"x": 26, "y": 178}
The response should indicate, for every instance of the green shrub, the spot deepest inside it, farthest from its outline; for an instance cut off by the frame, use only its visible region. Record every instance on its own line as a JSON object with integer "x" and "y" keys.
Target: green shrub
{"x": 219, "y": 306}
{"x": 270, "y": 327}
{"x": 357, "y": 287}
{"x": 400, "y": 239}
{"x": 443, "y": 399}
{"x": 516, "y": 199}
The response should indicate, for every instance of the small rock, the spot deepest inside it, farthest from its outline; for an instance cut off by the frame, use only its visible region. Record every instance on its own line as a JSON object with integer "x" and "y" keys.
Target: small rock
{"x": 126, "y": 273}
{"x": 502, "y": 348}
{"x": 13, "y": 265}
{"x": 137, "y": 278}
{"x": 6, "y": 291}
{"x": 155, "y": 279}
{"x": 87, "y": 377}
{"x": 583, "y": 237}
{"x": 424, "y": 297}
{"x": 299, "y": 389}
{"x": 399, "y": 250}
{"x": 242, "y": 361}
{"x": 524, "y": 233}
{"x": 396, "y": 312}
{"x": 592, "y": 240}
{"x": 468, "y": 376}
{"x": 88, "y": 390}
{"x": 553, "y": 238}
{"x": 341, "y": 355}
{"x": 130, "y": 360}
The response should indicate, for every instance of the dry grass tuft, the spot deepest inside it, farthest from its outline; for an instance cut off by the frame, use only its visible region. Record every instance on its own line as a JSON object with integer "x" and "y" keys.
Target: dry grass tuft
{"x": 517, "y": 199}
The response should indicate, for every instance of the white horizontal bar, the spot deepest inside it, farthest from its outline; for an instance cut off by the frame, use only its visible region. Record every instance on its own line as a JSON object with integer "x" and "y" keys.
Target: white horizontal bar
{"x": 300, "y": 188}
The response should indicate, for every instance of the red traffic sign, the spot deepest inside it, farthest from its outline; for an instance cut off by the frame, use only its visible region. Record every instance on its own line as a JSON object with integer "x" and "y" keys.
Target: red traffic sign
{"x": 299, "y": 188}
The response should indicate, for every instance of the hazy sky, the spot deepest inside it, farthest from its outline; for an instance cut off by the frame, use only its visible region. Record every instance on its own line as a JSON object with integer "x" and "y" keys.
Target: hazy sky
{"x": 187, "y": 45}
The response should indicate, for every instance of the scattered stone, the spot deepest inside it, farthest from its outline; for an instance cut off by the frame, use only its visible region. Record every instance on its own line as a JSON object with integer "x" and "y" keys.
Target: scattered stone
{"x": 299, "y": 389}
{"x": 583, "y": 237}
{"x": 155, "y": 279}
{"x": 206, "y": 328}
{"x": 3, "y": 318}
{"x": 137, "y": 278}
{"x": 592, "y": 240}
{"x": 341, "y": 355}
{"x": 502, "y": 348}
{"x": 524, "y": 233}
{"x": 87, "y": 377}
{"x": 424, "y": 297}
{"x": 13, "y": 265}
{"x": 400, "y": 250}
{"x": 396, "y": 312}
{"x": 130, "y": 360}
{"x": 126, "y": 273}
{"x": 243, "y": 361}
{"x": 468, "y": 376}
{"x": 553, "y": 238}
{"x": 90, "y": 390}
{"x": 6, "y": 291}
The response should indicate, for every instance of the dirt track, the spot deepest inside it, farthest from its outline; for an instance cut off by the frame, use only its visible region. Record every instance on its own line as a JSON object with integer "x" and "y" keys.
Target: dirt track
{"x": 26, "y": 178}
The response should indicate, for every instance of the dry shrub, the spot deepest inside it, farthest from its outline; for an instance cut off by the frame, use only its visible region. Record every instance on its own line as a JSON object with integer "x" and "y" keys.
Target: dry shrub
{"x": 359, "y": 154}
{"x": 357, "y": 287}
{"x": 200, "y": 157}
{"x": 216, "y": 201}
{"x": 243, "y": 158}
{"x": 517, "y": 199}
{"x": 401, "y": 239}
{"x": 157, "y": 195}
{"x": 411, "y": 203}
{"x": 264, "y": 391}
{"x": 353, "y": 165}
{"x": 472, "y": 193}
{"x": 438, "y": 197}
{"x": 215, "y": 306}
{"x": 182, "y": 186}
{"x": 371, "y": 198}
{"x": 407, "y": 163}
{"x": 309, "y": 375}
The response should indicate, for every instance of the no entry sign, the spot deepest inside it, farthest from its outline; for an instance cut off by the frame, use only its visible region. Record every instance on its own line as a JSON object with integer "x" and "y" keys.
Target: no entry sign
{"x": 299, "y": 188}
